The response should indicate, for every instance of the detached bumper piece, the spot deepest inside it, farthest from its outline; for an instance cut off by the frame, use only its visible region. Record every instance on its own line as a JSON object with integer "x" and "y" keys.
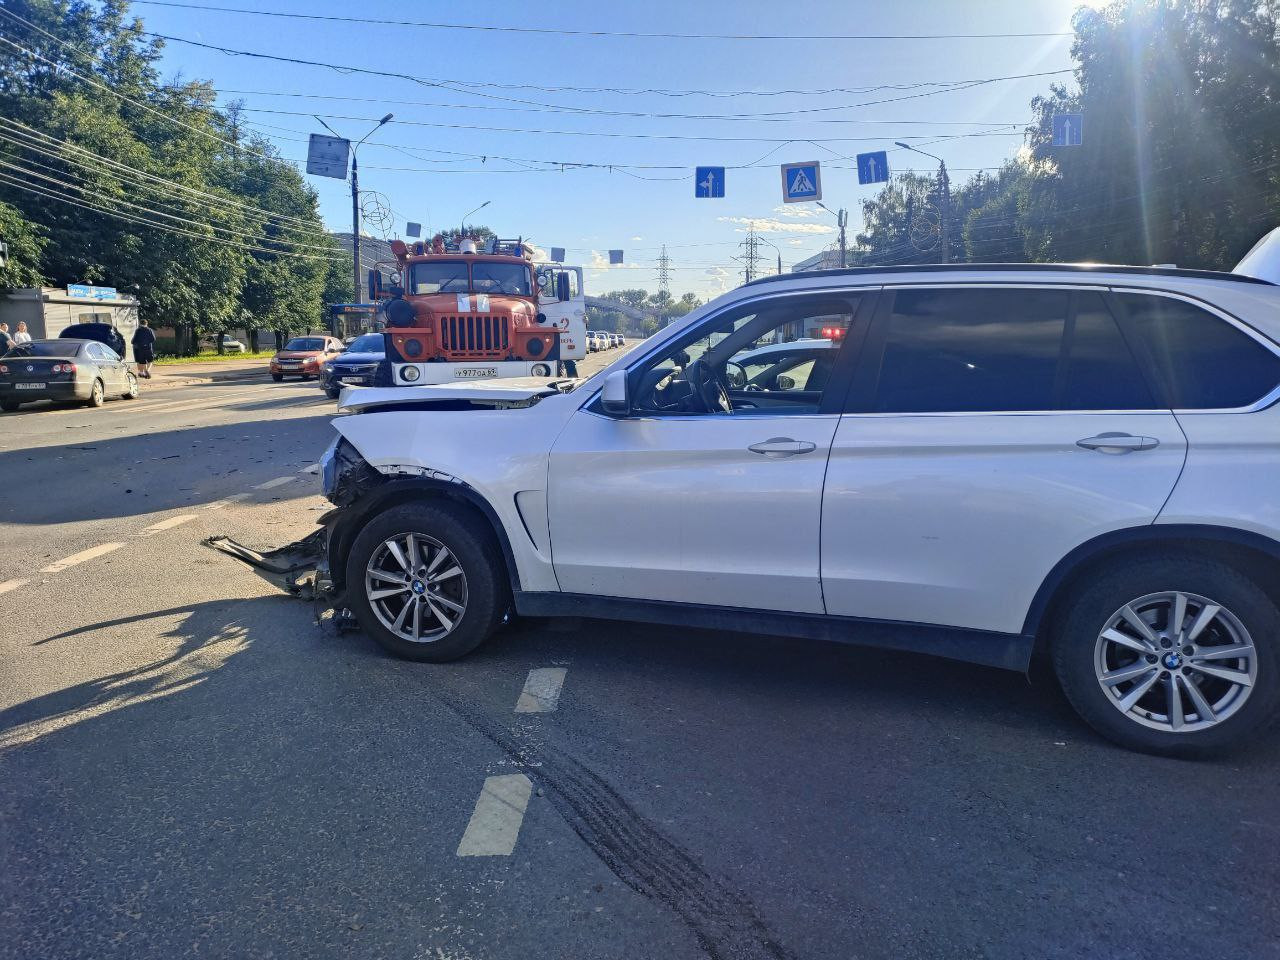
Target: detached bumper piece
{"x": 299, "y": 568}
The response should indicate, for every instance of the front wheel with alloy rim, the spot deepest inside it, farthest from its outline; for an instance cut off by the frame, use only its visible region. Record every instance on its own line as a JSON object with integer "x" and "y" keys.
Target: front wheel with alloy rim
{"x": 425, "y": 579}
{"x": 130, "y": 387}
{"x": 1175, "y": 656}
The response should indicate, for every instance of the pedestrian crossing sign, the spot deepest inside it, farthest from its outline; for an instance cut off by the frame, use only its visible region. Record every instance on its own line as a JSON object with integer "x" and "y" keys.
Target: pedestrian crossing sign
{"x": 801, "y": 182}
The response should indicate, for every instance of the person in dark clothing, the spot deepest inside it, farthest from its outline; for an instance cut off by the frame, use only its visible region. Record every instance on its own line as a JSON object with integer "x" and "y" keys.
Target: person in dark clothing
{"x": 6, "y": 341}
{"x": 398, "y": 310}
{"x": 144, "y": 348}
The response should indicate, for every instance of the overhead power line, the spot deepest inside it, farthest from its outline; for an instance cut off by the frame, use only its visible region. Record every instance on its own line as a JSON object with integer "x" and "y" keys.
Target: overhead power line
{"x": 627, "y": 34}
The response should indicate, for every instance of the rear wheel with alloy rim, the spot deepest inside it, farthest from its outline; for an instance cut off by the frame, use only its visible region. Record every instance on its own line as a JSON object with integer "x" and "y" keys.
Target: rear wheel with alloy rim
{"x": 96, "y": 395}
{"x": 1174, "y": 656}
{"x": 425, "y": 580}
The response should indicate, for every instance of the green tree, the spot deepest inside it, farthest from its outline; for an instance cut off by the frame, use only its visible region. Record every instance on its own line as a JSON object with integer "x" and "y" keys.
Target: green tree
{"x": 26, "y": 244}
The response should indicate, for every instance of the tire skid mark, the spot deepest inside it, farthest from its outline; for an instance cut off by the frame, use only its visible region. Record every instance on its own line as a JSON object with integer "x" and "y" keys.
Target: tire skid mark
{"x": 724, "y": 921}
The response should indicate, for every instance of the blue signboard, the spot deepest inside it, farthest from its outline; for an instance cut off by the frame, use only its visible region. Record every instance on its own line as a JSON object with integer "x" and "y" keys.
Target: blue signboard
{"x": 801, "y": 182}
{"x": 84, "y": 291}
{"x": 873, "y": 167}
{"x": 1068, "y": 129}
{"x": 708, "y": 182}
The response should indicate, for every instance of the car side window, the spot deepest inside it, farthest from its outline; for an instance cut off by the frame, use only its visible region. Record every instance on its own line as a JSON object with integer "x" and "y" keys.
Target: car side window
{"x": 770, "y": 358}
{"x": 999, "y": 350}
{"x": 1205, "y": 362}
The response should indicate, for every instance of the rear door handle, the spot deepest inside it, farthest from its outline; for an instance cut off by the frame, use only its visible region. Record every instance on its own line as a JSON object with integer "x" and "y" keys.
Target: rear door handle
{"x": 1118, "y": 443}
{"x": 776, "y": 448}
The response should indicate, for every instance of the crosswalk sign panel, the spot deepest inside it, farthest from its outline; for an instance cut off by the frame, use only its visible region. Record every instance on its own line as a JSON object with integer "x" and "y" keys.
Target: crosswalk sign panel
{"x": 801, "y": 182}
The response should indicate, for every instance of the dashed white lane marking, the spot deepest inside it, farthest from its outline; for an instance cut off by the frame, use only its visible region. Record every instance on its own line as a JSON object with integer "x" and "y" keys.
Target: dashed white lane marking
{"x": 12, "y": 585}
{"x": 313, "y": 469}
{"x": 277, "y": 482}
{"x": 541, "y": 690}
{"x": 226, "y": 501}
{"x": 81, "y": 557}
{"x": 171, "y": 522}
{"x": 495, "y": 824}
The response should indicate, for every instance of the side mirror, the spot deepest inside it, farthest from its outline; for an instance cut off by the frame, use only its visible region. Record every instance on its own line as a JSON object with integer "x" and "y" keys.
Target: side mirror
{"x": 785, "y": 382}
{"x": 613, "y": 396}
{"x": 562, "y": 287}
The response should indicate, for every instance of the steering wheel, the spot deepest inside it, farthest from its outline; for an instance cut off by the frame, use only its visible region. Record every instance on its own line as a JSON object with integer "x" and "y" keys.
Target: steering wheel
{"x": 708, "y": 387}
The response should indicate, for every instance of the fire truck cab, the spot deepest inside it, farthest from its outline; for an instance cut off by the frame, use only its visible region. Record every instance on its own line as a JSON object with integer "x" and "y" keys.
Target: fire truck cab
{"x": 475, "y": 315}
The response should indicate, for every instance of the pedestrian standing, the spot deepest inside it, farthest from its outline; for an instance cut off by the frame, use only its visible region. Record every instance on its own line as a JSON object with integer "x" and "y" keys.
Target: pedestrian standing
{"x": 144, "y": 349}
{"x": 21, "y": 336}
{"x": 6, "y": 341}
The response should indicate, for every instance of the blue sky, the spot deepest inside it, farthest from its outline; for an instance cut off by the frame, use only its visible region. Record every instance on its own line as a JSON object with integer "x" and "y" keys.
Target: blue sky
{"x": 429, "y": 172}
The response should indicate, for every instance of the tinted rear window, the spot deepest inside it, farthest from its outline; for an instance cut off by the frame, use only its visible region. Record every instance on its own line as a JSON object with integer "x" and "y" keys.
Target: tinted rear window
{"x": 1206, "y": 362}
{"x": 46, "y": 348}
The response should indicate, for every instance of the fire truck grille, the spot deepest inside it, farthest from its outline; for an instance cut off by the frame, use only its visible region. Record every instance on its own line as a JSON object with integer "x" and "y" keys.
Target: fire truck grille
{"x": 475, "y": 338}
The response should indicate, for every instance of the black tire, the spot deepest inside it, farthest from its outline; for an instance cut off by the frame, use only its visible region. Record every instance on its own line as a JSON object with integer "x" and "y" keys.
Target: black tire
{"x": 331, "y": 393}
{"x": 1117, "y": 584}
{"x": 131, "y": 387}
{"x": 97, "y": 395}
{"x": 470, "y": 541}
{"x": 9, "y": 406}
{"x": 277, "y": 377}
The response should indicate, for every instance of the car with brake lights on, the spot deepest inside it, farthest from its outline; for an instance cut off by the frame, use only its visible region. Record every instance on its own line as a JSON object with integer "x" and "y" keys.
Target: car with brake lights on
{"x": 355, "y": 366}
{"x": 79, "y": 370}
{"x": 1066, "y": 464}
{"x": 302, "y": 357}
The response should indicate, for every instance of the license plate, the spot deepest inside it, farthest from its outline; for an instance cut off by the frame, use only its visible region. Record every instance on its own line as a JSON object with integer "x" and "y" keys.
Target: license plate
{"x": 30, "y": 386}
{"x": 352, "y": 379}
{"x": 472, "y": 373}
{"x": 289, "y": 364}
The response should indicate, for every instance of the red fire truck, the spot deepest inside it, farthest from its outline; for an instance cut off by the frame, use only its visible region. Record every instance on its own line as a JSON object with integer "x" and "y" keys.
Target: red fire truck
{"x": 474, "y": 314}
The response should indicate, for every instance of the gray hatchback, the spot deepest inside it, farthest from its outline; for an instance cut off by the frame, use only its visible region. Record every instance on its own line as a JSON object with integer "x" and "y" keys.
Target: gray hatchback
{"x": 82, "y": 370}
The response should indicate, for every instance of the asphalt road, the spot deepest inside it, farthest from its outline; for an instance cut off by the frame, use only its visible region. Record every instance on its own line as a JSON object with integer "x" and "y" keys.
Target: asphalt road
{"x": 194, "y": 765}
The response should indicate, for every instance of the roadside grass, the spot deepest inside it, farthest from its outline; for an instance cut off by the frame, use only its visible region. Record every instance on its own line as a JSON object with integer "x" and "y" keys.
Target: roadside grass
{"x": 209, "y": 356}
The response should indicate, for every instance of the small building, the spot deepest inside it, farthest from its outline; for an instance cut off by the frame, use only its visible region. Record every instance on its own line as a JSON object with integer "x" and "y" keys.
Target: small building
{"x": 47, "y": 311}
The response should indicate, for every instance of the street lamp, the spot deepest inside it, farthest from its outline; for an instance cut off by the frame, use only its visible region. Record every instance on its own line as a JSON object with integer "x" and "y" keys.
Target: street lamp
{"x": 775, "y": 247}
{"x": 355, "y": 199}
{"x": 945, "y": 225}
{"x": 842, "y": 218}
{"x": 463, "y": 228}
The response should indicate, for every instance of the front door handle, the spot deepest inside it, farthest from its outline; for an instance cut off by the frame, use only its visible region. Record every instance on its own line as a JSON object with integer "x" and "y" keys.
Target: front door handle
{"x": 777, "y": 448}
{"x": 1118, "y": 443}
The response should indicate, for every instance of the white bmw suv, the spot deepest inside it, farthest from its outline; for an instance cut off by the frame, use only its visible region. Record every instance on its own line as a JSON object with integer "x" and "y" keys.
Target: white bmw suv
{"x": 989, "y": 463}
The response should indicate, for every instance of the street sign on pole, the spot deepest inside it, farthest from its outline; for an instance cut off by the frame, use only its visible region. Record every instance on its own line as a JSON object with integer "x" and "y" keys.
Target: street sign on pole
{"x": 557, "y": 254}
{"x": 615, "y": 256}
{"x": 1068, "y": 129}
{"x": 801, "y": 182}
{"x": 327, "y": 156}
{"x": 412, "y": 229}
{"x": 873, "y": 167}
{"x": 708, "y": 182}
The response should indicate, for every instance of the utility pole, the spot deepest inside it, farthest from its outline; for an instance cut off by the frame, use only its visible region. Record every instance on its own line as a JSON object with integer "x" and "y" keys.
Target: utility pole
{"x": 355, "y": 201}
{"x": 664, "y": 285}
{"x": 751, "y": 254}
{"x": 842, "y": 220}
{"x": 944, "y": 183}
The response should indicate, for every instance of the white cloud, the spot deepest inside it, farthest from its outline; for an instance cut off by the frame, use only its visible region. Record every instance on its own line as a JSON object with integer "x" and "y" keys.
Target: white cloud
{"x": 795, "y": 211}
{"x": 637, "y": 238}
{"x": 795, "y": 242}
{"x": 769, "y": 225}
{"x": 719, "y": 278}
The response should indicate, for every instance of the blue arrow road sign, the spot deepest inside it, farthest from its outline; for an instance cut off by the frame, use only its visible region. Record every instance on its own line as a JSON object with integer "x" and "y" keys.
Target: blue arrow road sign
{"x": 708, "y": 182}
{"x": 873, "y": 167}
{"x": 1067, "y": 129}
{"x": 801, "y": 181}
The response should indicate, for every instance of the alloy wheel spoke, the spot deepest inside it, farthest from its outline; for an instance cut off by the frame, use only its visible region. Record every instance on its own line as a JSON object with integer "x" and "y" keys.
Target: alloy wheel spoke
{"x": 1138, "y": 690}
{"x": 1203, "y": 619}
{"x": 1131, "y": 672}
{"x": 1124, "y": 640}
{"x": 444, "y": 621}
{"x": 386, "y": 577}
{"x": 1227, "y": 651}
{"x": 1228, "y": 674}
{"x": 394, "y": 549}
{"x": 445, "y": 575}
{"x": 417, "y": 619}
{"x": 441, "y": 555}
{"x": 1134, "y": 620}
{"x": 403, "y": 615}
{"x": 1203, "y": 710}
{"x": 383, "y": 594}
{"x": 412, "y": 543}
{"x": 1179, "y": 615}
{"x": 1174, "y": 696}
{"x": 448, "y": 604}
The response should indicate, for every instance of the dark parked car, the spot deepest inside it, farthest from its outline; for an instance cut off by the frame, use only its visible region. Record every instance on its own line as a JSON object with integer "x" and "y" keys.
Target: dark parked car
{"x": 103, "y": 333}
{"x": 63, "y": 369}
{"x": 358, "y": 365}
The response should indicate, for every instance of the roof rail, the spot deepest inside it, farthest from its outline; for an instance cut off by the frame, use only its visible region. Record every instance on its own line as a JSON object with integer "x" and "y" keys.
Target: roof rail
{"x": 1084, "y": 268}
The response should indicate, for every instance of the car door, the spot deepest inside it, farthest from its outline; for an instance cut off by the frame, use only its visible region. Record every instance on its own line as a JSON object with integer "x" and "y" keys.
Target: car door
{"x": 673, "y": 503}
{"x": 990, "y": 430}
{"x": 110, "y": 368}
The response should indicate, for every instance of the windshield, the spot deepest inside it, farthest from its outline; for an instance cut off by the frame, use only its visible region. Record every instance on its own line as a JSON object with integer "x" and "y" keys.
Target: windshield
{"x": 509, "y": 278}
{"x": 367, "y": 343}
{"x": 305, "y": 343}
{"x": 46, "y": 348}
{"x": 440, "y": 277}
